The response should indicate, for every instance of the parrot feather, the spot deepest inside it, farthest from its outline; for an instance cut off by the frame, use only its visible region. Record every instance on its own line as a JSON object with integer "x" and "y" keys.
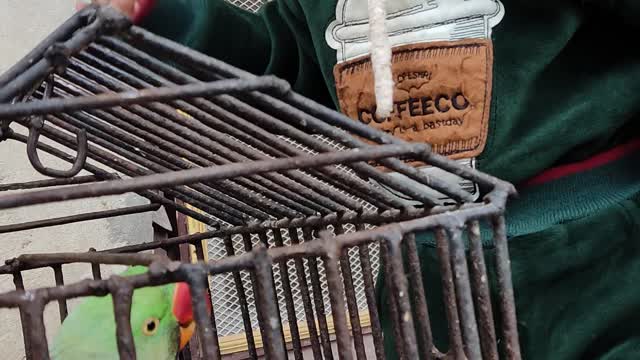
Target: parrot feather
{"x": 89, "y": 332}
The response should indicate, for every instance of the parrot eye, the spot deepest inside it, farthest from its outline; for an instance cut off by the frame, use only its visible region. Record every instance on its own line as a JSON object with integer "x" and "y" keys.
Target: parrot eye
{"x": 150, "y": 326}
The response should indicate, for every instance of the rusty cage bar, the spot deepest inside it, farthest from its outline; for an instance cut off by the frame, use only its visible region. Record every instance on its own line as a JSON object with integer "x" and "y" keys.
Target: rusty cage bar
{"x": 293, "y": 180}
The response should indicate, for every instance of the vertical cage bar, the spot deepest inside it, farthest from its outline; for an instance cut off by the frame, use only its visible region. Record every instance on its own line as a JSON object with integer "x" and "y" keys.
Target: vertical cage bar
{"x": 248, "y": 247}
{"x": 244, "y": 306}
{"x": 185, "y": 355}
{"x": 213, "y": 322}
{"x": 95, "y": 271}
{"x": 265, "y": 240}
{"x": 400, "y": 291}
{"x": 194, "y": 347}
{"x": 122, "y": 293}
{"x": 352, "y": 302}
{"x": 207, "y": 332}
{"x": 34, "y": 311}
{"x": 392, "y": 301}
{"x": 24, "y": 321}
{"x": 480, "y": 287}
{"x": 449, "y": 293}
{"x": 419, "y": 300}
{"x": 95, "y": 268}
{"x": 62, "y": 303}
{"x": 266, "y": 299}
{"x": 336, "y": 295}
{"x": 505, "y": 284}
{"x": 369, "y": 289}
{"x": 306, "y": 299}
{"x": 463, "y": 292}
{"x": 288, "y": 296}
{"x": 318, "y": 299}
{"x": 199, "y": 251}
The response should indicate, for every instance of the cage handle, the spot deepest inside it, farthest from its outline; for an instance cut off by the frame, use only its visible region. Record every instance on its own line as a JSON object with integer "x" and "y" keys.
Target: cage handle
{"x": 35, "y": 125}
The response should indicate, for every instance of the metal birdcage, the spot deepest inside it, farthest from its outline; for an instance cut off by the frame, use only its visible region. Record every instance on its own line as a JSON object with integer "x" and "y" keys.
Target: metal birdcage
{"x": 293, "y": 197}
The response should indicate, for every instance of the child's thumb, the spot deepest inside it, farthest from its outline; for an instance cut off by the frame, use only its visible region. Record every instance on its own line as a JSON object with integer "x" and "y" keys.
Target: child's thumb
{"x": 127, "y": 7}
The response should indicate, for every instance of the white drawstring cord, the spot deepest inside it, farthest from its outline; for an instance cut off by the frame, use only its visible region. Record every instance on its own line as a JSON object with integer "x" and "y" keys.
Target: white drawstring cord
{"x": 381, "y": 58}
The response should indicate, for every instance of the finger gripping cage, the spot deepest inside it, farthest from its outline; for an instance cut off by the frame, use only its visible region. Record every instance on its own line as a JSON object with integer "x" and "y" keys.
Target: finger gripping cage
{"x": 295, "y": 226}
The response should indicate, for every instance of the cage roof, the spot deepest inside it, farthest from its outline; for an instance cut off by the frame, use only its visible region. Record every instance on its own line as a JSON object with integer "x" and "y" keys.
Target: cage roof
{"x": 142, "y": 113}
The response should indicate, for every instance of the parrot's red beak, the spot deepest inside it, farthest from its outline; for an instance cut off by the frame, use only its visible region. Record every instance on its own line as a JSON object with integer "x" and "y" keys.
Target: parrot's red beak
{"x": 183, "y": 311}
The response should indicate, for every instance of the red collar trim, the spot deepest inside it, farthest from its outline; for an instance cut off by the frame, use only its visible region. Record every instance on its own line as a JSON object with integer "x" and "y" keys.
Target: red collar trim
{"x": 588, "y": 164}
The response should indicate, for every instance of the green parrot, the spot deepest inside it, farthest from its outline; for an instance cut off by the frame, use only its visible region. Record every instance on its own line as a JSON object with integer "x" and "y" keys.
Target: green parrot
{"x": 161, "y": 322}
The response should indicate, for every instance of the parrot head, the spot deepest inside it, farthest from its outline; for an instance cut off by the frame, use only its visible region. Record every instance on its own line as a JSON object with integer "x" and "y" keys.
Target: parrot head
{"x": 161, "y": 323}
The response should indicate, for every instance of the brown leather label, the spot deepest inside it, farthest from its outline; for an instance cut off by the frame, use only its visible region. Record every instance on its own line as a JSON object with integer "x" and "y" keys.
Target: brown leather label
{"x": 442, "y": 94}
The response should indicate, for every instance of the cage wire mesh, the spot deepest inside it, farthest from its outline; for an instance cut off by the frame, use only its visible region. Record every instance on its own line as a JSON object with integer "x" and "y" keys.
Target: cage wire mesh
{"x": 225, "y": 304}
{"x": 225, "y": 300}
{"x": 297, "y": 230}
{"x": 251, "y": 5}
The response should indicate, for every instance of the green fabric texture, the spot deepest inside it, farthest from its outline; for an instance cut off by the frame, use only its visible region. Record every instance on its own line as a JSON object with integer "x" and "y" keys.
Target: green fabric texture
{"x": 574, "y": 267}
{"x": 277, "y": 40}
{"x": 575, "y": 286}
{"x": 540, "y": 207}
{"x": 565, "y": 76}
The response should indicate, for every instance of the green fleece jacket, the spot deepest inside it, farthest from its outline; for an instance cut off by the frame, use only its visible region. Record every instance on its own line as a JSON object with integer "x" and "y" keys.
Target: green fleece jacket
{"x": 521, "y": 86}
{"x": 565, "y": 80}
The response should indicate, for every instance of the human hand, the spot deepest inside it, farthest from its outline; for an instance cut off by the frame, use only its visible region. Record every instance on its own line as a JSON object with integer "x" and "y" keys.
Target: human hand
{"x": 134, "y": 9}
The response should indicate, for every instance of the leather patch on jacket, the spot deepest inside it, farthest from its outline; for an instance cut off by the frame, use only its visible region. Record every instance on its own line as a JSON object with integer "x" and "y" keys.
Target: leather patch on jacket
{"x": 442, "y": 94}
